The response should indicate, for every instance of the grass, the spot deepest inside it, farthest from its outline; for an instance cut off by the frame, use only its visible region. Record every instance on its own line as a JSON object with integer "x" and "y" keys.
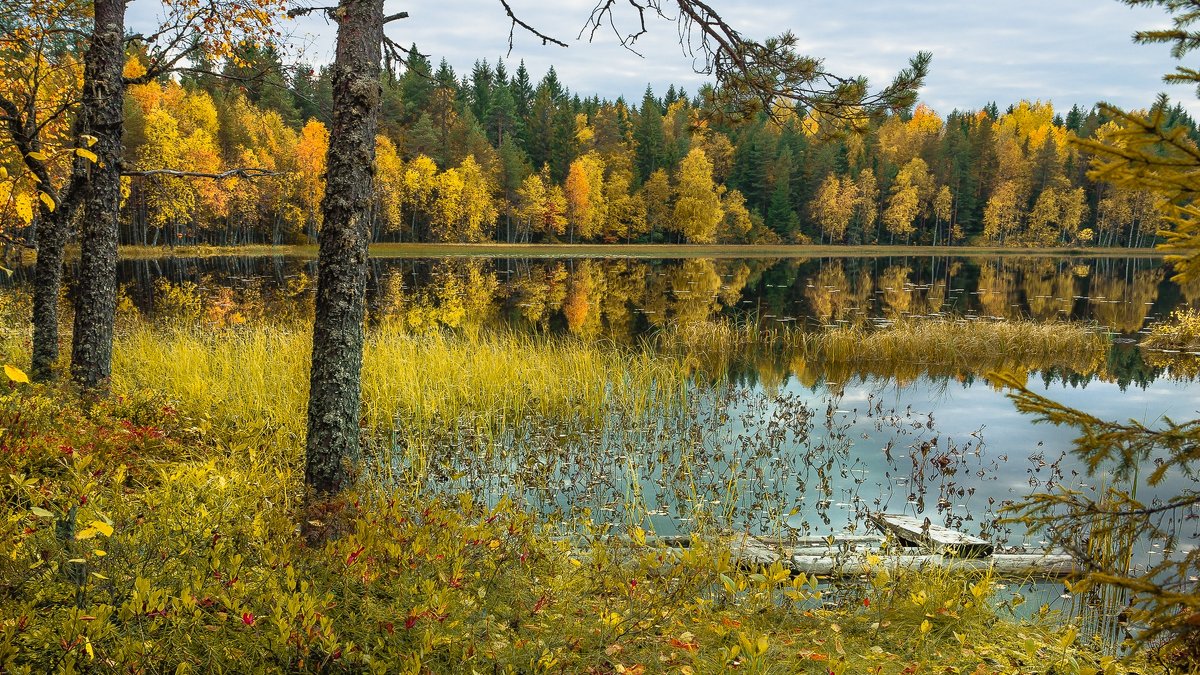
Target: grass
{"x": 135, "y": 540}
{"x": 903, "y": 349}
{"x": 257, "y": 376}
{"x": 1175, "y": 344}
{"x": 156, "y": 530}
{"x": 1181, "y": 332}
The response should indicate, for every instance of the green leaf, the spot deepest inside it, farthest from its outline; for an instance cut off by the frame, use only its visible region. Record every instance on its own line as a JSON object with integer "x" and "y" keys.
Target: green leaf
{"x": 40, "y": 512}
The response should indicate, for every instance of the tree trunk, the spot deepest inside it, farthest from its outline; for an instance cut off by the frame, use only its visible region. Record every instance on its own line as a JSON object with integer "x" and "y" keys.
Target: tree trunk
{"x": 47, "y": 282}
{"x": 103, "y": 118}
{"x": 335, "y": 384}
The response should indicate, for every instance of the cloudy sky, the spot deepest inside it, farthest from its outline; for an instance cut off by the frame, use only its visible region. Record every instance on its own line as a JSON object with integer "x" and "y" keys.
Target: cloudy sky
{"x": 1066, "y": 51}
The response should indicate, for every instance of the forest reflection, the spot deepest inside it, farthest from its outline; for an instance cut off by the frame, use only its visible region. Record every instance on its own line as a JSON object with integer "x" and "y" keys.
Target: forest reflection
{"x": 753, "y": 319}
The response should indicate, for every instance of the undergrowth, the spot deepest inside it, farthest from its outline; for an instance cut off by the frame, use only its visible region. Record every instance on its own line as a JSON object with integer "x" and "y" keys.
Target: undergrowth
{"x": 134, "y": 539}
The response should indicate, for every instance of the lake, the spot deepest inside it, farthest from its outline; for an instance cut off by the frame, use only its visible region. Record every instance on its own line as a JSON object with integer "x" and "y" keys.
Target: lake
{"x": 767, "y": 438}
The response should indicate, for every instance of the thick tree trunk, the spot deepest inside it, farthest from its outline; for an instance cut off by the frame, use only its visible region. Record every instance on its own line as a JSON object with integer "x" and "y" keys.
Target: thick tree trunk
{"x": 47, "y": 282}
{"x": 335, "y": 385}
{"x": 103, "y": 118}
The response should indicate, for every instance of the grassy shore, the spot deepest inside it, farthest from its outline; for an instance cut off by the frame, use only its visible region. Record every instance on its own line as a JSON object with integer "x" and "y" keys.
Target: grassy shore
{"x": 157, "y": 530}
{"x": 151, "y": 533}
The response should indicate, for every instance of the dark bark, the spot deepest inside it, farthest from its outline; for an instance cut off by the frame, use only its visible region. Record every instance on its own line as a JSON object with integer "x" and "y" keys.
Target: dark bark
{"x": 47, "y": 282}
{"x": 334, "y": 400}
{"x": 102, "y": 117}
{"x": 49, "y": 230}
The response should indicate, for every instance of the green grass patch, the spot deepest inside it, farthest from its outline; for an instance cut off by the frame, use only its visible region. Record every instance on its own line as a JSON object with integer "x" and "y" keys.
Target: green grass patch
{"x": 134, "y": 542}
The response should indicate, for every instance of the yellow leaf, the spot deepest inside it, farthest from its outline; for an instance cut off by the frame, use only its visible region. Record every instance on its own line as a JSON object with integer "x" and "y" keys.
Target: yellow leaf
{"x": 87, "y": 154}
{"x": 89, "y": 139}
{"x": 47, "y": 201}
{"x": 87, "y": 644}
{"x": 24, "y": 207}
{"x": 85, "y": 533}
{"x": 639, "y": 536}
{"x": 925, "y": 626}
{"x": 1068, "y": 638}
{"x": 39, "y": 156}
{"x": 99, "y": 553}
{"x": 16, "y": 374}
{"x": 3, "y": 173}
{"x": 102, "y": 527}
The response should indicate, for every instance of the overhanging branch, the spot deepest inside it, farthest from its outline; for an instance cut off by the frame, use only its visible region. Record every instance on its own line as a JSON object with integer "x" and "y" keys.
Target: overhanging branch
{"x": 516, "y": 21}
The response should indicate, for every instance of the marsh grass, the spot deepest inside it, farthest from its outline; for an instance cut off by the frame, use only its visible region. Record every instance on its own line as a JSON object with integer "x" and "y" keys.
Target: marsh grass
{"x": 256, "y": 376}
{"x": 201, "y": 489}
{"x": 903, "y": 349}
{"x": 1180, "y": 332}
{"x": 1174, "y": 344}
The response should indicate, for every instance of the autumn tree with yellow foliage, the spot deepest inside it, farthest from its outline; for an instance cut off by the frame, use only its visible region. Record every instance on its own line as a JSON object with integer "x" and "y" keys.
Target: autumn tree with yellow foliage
{"x": 698, "y": 208}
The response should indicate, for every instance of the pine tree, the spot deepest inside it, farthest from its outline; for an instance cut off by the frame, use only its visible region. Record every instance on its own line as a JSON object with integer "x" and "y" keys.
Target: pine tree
{"x": 648, "y": 135}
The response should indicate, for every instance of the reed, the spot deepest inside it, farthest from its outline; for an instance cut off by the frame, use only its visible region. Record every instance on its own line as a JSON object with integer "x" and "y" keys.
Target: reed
{"x": 904, "y": 349}
{"x": 1181, "y": 332}
{"x": 256, "y": 377}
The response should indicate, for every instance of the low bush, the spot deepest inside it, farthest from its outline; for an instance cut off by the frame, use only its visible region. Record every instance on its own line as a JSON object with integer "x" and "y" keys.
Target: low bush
{"x": 133, "y": 540}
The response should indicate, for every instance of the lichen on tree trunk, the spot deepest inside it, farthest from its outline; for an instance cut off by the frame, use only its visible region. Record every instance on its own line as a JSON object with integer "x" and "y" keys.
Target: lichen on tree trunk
{"x": 47, "y": 282}
{"x": 103, "y": 118}
{"x": 334, "y": 401}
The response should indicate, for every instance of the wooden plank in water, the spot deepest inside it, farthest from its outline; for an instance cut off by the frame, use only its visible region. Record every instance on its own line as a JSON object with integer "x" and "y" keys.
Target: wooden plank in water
{"x": 748, "y": 551}
{"x": 937, "y": 538}
{"x": 1004, "y": 565}
{"x": 838, "y": 539}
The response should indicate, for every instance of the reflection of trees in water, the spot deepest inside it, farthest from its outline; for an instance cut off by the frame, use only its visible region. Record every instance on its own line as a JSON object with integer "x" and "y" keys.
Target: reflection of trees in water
{"x": 1049, "y": 288}
{"x": 997, "y": 290}
{"x": 626, "y": 300}
{"x": 623, "y": 298}
{"x": 1123, "y": 304}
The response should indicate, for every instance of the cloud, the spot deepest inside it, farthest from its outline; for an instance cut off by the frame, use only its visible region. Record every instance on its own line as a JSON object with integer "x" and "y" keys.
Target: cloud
{"x": 1069, "y": 51}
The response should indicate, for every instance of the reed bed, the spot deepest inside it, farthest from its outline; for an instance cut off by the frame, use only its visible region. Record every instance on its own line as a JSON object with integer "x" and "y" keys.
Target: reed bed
{"x": 1181, "y": 332}
{"x": 902, "y": 349}
{"x": 256, "y": 377}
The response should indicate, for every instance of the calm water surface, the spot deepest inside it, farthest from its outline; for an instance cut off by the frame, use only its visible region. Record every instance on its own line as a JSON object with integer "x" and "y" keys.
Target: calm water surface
{"x": 769, "y": 446}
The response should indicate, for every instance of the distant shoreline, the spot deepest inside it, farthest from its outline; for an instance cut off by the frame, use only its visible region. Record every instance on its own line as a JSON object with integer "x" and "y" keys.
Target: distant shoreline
{"x": 491, "y": 249}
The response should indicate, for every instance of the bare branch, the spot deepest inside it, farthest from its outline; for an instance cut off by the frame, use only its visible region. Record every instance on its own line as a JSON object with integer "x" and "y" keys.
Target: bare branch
{"x": 546, "y": 39}
{"x": 759, "y": 76}
{"x": 305, "y": 11}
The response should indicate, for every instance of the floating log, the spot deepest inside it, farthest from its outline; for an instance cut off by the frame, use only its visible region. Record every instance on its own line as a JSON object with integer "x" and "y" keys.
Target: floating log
{"x": 921, "y": 532}
{"x": 837, "y": 539}
{"x": 749, "y": 551}
{"x": 1005, "y": 565}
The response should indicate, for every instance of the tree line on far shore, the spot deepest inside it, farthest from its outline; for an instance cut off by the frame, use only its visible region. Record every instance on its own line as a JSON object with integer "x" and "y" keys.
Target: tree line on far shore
{"x": 495, "y": 156}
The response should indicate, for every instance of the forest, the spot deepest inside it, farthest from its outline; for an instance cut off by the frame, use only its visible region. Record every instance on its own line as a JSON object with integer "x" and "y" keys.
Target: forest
{"x": 499, "y": 154}
{"x": 223, "y": 454}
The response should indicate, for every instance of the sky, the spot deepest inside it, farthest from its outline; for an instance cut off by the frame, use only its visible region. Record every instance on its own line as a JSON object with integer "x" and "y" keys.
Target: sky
{"x": 1065, "y": 51}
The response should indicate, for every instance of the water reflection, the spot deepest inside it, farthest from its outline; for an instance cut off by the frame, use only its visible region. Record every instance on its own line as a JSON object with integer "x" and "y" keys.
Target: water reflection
{"x": 628, "y": 301}
{"x": 623, "y": 299}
